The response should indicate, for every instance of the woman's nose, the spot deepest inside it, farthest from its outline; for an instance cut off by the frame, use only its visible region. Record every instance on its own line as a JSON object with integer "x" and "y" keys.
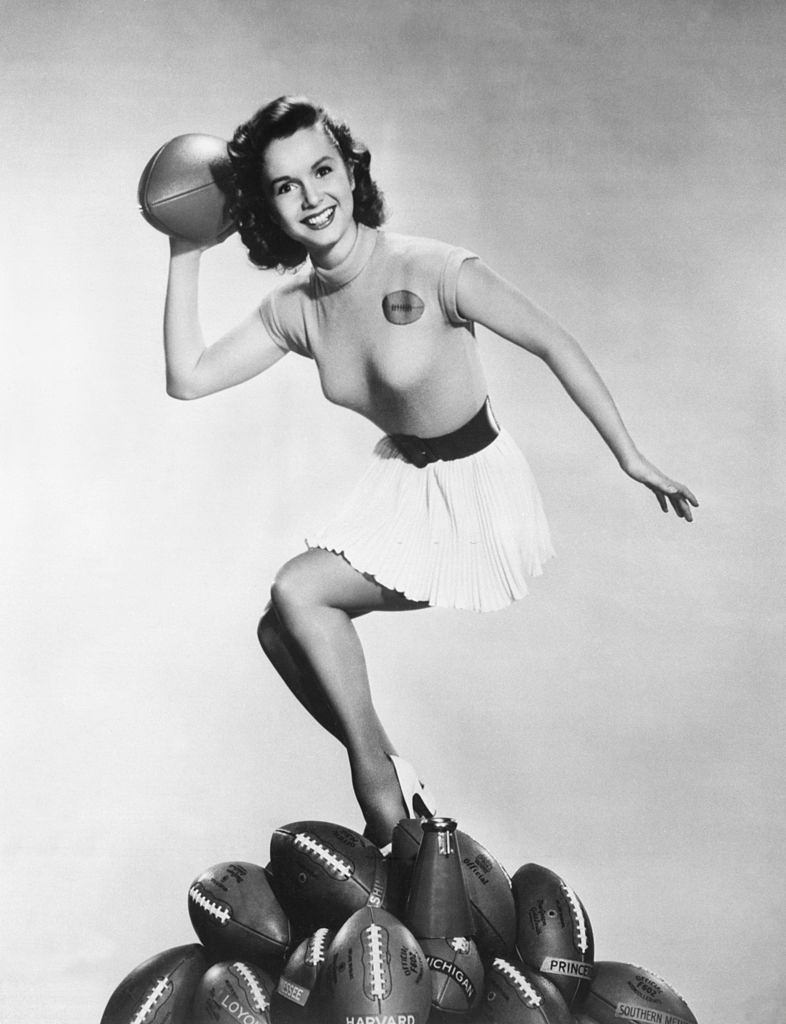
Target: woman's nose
{"x": 311, "y": 194}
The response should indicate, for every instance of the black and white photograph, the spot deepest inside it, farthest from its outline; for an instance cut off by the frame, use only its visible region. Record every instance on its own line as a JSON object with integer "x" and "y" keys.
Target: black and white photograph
{"x": 392, "y": 452}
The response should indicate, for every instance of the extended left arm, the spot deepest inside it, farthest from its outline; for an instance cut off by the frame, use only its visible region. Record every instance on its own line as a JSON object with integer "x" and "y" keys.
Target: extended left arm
{"x": 488, "y": 299}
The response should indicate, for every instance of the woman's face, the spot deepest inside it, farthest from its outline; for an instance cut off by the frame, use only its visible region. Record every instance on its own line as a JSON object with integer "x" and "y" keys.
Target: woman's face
{"x": 309, "y": 190}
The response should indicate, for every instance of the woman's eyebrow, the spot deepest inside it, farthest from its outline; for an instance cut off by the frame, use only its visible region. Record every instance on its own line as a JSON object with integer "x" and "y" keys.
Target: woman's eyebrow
{"x": 289, "y": 177}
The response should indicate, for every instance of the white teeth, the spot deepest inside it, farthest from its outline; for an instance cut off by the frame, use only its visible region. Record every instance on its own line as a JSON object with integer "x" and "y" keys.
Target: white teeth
{"x": 321, "y": 219}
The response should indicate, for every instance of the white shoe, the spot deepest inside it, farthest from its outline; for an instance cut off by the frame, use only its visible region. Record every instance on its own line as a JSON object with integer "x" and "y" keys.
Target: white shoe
{"x": 418, "y": 802}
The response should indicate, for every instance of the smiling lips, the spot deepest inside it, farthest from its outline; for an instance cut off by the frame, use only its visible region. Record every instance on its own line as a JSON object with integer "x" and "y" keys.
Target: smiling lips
{"x": 320, "y": 220}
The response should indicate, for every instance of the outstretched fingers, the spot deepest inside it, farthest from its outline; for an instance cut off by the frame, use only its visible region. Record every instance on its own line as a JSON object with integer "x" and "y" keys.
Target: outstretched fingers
{"x": 668, "y": 492}
{"x": 679, "y": 496}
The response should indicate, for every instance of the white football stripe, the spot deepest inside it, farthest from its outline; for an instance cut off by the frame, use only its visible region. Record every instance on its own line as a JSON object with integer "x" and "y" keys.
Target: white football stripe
{"x": 376, "y": 963}
{"x": 518, "y": 979}
{"x": 257, "y": 994}
{"x": 315, "y": 951}
{"x": 308, "y": 843}
{"x": 205, "y": 903}
{"x": 159, "y": 990}
{"x": 582, "y": 938}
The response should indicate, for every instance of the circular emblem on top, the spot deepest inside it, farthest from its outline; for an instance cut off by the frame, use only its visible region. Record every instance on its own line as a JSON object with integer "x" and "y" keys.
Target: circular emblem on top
{"x": 402, "y": 307}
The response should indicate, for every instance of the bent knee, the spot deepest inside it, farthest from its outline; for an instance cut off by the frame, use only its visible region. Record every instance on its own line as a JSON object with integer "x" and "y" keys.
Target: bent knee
{"x": 285, "y": 596}
{"x": 294, "y": 590}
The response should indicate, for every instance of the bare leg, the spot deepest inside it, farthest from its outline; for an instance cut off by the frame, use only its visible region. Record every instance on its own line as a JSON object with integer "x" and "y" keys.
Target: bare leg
{"x": 292, "y": 665}
{"x": 315, "y": 647}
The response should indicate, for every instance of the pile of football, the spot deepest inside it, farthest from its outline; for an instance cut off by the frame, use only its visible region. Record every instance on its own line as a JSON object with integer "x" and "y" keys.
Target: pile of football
{"x": 332, "y": 931}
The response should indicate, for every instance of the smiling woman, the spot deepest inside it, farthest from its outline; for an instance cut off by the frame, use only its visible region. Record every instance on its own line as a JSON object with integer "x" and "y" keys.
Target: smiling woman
{"x": 310, "y": 190}
{"x": 261, "y": 230}
{"x": 448, "y": 513}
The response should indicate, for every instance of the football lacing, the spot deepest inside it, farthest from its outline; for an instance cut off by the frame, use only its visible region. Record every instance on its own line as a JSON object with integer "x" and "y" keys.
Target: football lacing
{"x": 160, "y": 989}
{"x": 315, "y": 950}
{"x": 330, "y": 859}
{"x": 210, "y": 906}
{"x": 257, "y": 993}
{"x": 377, "y": 964}
{"x": 518, "y": 979}
{"x": 579, "y": 921}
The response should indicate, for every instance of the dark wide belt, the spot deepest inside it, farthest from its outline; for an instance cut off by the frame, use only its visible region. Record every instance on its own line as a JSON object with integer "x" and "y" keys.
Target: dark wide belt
{"x": 475, "y": 435}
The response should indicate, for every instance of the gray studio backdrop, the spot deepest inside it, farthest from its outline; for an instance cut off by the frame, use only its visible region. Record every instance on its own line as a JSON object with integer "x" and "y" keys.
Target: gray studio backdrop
{"x": 623, "y": 163}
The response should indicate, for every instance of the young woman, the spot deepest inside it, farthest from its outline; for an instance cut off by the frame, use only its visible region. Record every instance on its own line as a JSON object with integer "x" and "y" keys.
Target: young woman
{"x": 447, "y": 514}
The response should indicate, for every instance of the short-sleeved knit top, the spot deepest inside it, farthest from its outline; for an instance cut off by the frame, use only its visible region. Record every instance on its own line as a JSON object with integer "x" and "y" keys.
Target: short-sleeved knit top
{"x": 385, "y": 332}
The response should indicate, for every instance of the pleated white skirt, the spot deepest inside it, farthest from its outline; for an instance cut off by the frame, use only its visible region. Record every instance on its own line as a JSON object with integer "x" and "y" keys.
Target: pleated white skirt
{"x": 466, "y": 533}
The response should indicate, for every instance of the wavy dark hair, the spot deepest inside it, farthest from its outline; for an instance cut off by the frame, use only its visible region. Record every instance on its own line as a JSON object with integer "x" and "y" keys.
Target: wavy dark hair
{"x": 268, "y": 245}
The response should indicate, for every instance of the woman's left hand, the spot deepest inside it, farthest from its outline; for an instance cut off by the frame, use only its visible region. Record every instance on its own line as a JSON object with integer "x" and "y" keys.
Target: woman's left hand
{"x": 667, "y": 491}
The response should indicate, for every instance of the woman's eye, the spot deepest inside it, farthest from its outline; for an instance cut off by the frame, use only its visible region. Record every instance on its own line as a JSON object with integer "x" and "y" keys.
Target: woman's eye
{"x": 286, "y": 187}
{"x": 322, "y": 171}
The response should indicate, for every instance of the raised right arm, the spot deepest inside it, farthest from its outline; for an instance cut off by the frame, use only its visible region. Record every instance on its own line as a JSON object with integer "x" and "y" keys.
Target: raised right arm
{"x": 192, "y": 368}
